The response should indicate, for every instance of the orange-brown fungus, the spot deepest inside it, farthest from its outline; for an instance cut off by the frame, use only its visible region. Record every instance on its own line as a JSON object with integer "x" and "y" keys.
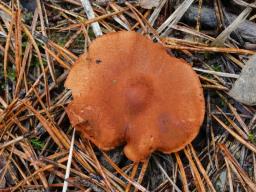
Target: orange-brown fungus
{"x": 128, "y": 90}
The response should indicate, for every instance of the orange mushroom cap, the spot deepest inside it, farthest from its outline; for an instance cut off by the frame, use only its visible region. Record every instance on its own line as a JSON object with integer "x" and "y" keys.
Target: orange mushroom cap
{"x": 128, "y": 90}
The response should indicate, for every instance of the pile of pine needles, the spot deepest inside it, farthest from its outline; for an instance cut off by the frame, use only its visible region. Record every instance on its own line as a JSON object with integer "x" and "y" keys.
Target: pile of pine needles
{"x": 39, "y": 42}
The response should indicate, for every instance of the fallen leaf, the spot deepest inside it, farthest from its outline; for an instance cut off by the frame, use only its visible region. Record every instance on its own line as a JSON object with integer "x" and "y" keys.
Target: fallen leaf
{"x": 244, "y": 89}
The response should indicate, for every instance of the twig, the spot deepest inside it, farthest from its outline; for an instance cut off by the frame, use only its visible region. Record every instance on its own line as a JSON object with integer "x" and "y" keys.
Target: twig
{"x": 90, "y": 14}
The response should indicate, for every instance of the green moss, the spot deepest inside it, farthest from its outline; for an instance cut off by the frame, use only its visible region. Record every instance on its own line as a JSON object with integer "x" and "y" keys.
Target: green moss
{"x": 59, "y": 38}
{"x": 11, "y": 75}
{"x": 36, "y": 143}
{"x": 252, "y": 138}
{"x": 35, "y": 63}
{"x": 217, "y": 67}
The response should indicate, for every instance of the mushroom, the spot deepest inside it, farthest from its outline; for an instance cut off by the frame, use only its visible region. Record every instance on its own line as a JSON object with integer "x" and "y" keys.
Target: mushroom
{"x": 128, "y": 90}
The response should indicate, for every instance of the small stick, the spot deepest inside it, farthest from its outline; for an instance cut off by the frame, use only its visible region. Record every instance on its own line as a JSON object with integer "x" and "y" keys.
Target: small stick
{"x": 90, "y": 14}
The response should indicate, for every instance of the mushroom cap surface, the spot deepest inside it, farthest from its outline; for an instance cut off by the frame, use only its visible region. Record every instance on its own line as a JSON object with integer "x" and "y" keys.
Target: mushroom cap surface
{"x": 128, "y": 90}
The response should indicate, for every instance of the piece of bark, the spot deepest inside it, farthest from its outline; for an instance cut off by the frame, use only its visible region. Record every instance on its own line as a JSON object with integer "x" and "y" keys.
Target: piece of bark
{"x": 244, "y": 89}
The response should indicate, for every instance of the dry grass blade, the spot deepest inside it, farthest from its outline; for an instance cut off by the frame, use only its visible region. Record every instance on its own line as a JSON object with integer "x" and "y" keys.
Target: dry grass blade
{"x": 18, "y": 50}
{"x": 241, "y": 2}
{"x": 237, "y": 116}
{"x": 235, "y": 135}
{"x": 231, "y": 187}
{"x": 245, "y": 177}
{"x": 65, "y": 185}
{"x": 166, "y": 175}
{"x": 234, "y": 125}
{"x": 182, "y": 172}
{"x": 26, "y": 56}
{"x": 133, "y": 173}
{"x": 142, "y": 173}
{"x": 16, "y": 140}
{"x": 212, "y": 49}
{"x": 39, "y": 8}
{"x": 221, "y": 74}
{"x": 135, "y": 184}
{"x": 201, "y": 169}
{"x": 48, "y": 126}
{"x": 62, "y": 63}
{"x": 156, "y": 12}
{"x": 198, "y": 181}
{"x": 93, "y": 20}
{"x": 101, "y": 171}
{"x": 175, "y": 17}
{"x": 220, "y": 40}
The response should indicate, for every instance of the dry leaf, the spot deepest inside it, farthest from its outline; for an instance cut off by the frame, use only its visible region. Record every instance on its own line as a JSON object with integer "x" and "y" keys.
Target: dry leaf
{"x": 244, "y": 89}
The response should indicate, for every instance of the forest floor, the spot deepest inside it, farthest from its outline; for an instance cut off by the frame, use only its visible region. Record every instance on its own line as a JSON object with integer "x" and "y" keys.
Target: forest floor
{"x": 40, "y": 41}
